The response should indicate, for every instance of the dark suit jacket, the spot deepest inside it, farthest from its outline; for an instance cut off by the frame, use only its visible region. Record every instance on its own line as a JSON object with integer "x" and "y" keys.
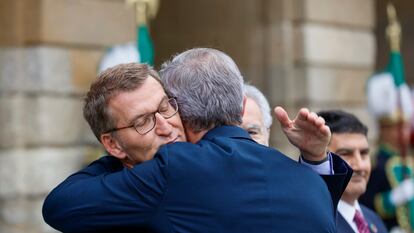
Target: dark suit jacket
{"x": 375, "y": 223}
{"x": 224, "y": 183}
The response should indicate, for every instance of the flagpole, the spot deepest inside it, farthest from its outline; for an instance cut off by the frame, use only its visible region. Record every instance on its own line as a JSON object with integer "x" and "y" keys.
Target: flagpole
{"x": 394, "y": 35}
{"x": 393, "y": 32}
{"x": 144, "y": 11}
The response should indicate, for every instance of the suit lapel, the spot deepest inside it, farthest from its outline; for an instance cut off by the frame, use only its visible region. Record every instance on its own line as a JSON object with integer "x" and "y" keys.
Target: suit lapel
{"x": 371, "y": 224}
{"x": 342, "y": 225}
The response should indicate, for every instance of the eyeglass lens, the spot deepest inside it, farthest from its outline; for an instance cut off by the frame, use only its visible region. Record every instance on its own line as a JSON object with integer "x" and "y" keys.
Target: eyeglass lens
{"x": 167, "y": 109}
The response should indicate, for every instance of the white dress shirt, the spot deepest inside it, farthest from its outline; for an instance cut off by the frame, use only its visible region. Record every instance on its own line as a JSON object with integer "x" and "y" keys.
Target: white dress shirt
{"x": 324, "y": 168}
{"x": 348, "y": 212}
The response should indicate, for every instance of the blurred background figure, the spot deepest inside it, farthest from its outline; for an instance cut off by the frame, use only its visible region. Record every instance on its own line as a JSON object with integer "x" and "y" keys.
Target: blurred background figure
{"x": 391, "y": 187}
{"x": 350, "y": 141}
{"x": 257, "y": 117}
{"x": 142, "y": 49}
{"x": 117, "y": 54}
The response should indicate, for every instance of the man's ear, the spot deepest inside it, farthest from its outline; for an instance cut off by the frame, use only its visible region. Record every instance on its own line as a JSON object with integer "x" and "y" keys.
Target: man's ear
{"x": 189, "y": 133}
{"x": 113, "y": 147}
{"x": 244, "y": 105}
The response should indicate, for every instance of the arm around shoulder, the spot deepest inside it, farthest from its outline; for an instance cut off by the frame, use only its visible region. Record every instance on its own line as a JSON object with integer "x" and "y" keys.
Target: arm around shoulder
{"x": 86, "y": 202}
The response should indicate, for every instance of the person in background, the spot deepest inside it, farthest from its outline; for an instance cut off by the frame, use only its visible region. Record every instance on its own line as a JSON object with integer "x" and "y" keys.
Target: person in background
{"x": 349, "y": 140}
{"x": 257, "y": 118}
{"x": 390, "y": 191}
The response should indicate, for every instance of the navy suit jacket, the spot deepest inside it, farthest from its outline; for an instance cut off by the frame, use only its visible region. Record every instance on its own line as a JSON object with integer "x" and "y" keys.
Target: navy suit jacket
{"x": 225, "y": 183}
{"x": 375, "y": 223}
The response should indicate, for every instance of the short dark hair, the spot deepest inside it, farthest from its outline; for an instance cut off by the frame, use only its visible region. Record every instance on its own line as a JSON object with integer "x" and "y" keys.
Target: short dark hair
{"x": 108, "y": 84}
{"x": 343, "y": 122}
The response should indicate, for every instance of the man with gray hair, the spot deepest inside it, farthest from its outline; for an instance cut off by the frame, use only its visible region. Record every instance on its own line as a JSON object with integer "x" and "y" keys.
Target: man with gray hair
{"x": 221, "y": 182}
{"x": 257, "y": 118}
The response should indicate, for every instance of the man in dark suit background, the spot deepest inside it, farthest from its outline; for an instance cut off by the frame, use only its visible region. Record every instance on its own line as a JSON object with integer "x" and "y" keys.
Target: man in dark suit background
{"x": 349, "y": 140}
{"x": 224, "y": 182}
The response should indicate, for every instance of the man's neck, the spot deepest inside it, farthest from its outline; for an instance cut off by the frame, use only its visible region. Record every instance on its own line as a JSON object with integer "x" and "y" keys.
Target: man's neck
{"x": 349, "y": 200}
{"x": 194, "y": 137}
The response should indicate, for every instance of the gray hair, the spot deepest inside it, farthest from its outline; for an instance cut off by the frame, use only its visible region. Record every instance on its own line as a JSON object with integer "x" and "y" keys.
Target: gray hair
{"x": 208, "y": 87}
{"x": 257, "y": 96}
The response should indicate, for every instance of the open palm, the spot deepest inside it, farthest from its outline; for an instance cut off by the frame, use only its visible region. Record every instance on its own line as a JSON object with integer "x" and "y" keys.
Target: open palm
{"x": 307, "y": 132}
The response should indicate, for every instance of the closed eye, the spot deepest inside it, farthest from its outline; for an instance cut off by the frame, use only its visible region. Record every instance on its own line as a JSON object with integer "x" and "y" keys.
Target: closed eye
{"x": 143, "y": 120}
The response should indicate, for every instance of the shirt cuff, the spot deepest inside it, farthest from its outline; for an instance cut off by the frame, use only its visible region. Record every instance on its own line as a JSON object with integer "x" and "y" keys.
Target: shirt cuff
{"x": 324, "y": 168}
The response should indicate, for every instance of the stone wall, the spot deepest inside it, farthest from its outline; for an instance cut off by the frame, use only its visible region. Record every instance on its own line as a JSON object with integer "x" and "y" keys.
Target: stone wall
{"x": 333, "y": 56}
{"x": 298, "y": 52}
{"x": 48, "y": 57}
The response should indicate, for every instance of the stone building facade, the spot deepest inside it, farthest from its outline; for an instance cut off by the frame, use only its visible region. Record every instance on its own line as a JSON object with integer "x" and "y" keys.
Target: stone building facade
{"x": 49, "y": 51}
{"x": 314, "y": 53}
{"x": 299, "y": 52}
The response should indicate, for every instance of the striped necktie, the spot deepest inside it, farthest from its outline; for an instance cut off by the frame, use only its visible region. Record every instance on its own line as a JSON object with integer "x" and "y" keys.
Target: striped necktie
{"x": 359, "y": 220}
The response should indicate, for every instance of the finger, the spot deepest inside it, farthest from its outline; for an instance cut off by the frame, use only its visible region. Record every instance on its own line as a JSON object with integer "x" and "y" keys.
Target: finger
{"x": 312, "y": 117}
{"x": 303, "y": 114}
{"x": 312, "y": 123}
{"x": 306, "y": 119}
{"x": 282, "y": 117}
{"x": 324, "y": 130}
{"x": 319, "y": 122}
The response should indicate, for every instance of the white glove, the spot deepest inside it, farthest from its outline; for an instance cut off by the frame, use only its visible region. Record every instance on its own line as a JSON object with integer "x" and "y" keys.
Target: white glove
{"x": 403, "y": 193}
{"x": 397, "y": 230}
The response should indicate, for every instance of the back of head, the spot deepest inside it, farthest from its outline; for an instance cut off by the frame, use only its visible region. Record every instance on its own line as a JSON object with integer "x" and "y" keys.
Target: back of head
{"x": 208, "y": 87}
{"x": 257, "y": 96}
{"x": 109, "y": 83}
{"x": 343, "y": 122}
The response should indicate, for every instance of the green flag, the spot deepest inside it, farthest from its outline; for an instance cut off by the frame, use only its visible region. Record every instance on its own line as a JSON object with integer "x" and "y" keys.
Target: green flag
{"x": 144, "y": 44}
{"x": 396, "y": 68}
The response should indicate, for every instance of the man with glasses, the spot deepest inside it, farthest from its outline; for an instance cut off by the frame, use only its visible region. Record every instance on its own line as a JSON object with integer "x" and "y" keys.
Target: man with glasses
{"x": 130, "y": 114}
{"x": 222, "y": 181}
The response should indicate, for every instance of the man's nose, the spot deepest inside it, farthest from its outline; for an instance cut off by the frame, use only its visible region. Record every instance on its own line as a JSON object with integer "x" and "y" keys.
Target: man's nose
{"x": 162, "y": 127}
{"x": 357, "y": 160}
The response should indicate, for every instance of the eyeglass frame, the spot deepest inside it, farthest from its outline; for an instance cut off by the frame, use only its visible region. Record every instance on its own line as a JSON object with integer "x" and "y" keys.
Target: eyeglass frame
{"x": 175, "y": 105}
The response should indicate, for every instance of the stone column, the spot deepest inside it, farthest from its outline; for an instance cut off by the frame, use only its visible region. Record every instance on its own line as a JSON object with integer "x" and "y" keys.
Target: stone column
{"x": 49, "y": 51}
{"x": 313, "y": 53}
{"x": 321, "y": 52}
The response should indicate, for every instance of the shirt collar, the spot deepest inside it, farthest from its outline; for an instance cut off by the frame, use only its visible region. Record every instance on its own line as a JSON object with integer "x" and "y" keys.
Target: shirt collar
{"x": 348, "y": 211}
{"x": 227, "y": 131}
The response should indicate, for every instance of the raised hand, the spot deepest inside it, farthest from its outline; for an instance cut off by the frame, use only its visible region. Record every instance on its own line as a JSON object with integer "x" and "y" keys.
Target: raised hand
{"x": 307, "y": 132}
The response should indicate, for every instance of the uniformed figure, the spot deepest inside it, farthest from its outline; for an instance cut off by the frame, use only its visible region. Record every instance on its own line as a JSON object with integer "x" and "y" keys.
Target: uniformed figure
{"x": 390, "y": 190}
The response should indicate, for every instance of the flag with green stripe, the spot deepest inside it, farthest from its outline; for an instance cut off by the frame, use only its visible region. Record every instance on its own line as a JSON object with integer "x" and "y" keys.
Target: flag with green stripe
{"x": 145, "y": 45}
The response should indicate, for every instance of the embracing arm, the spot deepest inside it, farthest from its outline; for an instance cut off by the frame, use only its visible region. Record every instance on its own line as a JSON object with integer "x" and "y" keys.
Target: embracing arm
{"x": 90, "y": 201}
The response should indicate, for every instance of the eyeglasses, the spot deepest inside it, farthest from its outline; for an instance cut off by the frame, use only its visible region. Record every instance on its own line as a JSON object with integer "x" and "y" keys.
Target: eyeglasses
{"x": 167, "y": 109}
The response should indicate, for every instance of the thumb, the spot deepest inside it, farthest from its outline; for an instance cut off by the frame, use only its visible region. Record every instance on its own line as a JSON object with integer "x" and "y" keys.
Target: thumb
{"x": 282, "y": 117}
